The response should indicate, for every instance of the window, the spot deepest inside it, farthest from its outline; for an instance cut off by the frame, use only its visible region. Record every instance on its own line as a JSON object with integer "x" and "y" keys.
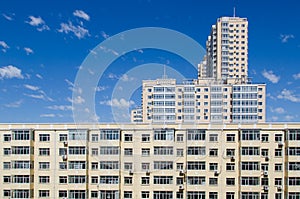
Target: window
{"x": 196, "y": 180}
{"x": 74, "y": 194}
{"x": 294, "y": 181}
{"x": 179, "y": 166}
{"x": 6, "y": 193}
{"x": 145, "y": 180}
{"x": 95, "y": 152}
{"x": 44, "y": 179}
{"x": 109, "y": 179}
{"x": 294, "y": 166}
{"x": 94, "y": 165}
{"x": 128, "y": 180}
{"x": 249, "y": 195}
{"x": 6, "y": 165}
{"x": 294, "y": 134}
{"x": 145, "y": 137}
{"x": 179, "y": 181}
{"x": 77, "y": 150}
{"x": 265, "y": 152}
{"x": 163, "y": 180}
{"x": 94, "y": 179}
{"x": 127, "y": 166}
{"x": 94, "y": 194}
{"x": 44, "y": 165}
{"x": 196, "y": 165}
{"x": 77, "y": 179}
{"x": 63, "y": 137}
{"x": 293, "y": 151}
{"x": 128, "y": 151}
{"x": 196, "y": 134}
{"x": 229, "y": 195}
{"x": 128, "y": 137}
{"x": 213, "y": 195}
{"x": 109, "y": 134}
{"x": 44, "y": 193}
{"x": 264, "y": 181}
{"x": 22, "y": 135}
{"x": 62, "y": 151}
{"x": 265, "y": 137}
{"x": 95, "y": 138}
{"x": 63, "y": 165}
{"x": 22, "y": 164}
{"x": 22, "y": 178}
{"x": 230, "y": 181}
{"x": 252, "y": 181}
{"x": 278, "y": 167}
{"x": 63, "y": 179}
{"x": 163, "y": 150}
{"x": 179, "y": 137}
{"x": 264, "y": 166}
{"x": 278, "y": 181}
{"x": 247, "y": 151}
{"x": 164, "y": 134}
{"x": 6, "y": 137}
{"x": 213, "y": 181}
{"x": 77, "y": 165}
{"x": 106, "y": 165}
{"x": 213, "y": 152}
{"x": 44, "y": 151}
{"x": 6, "y": 179}
{"x": 162, "y": 195}
{"x": 230, "y": 166}
{"x": 278, "y": 138}
{"x": 230, "y": 152}
{"x": 213, "y": 137}
{"x": 278, "y": 152}
{"x": 179, "y": 152}
{"x": 196, "y": 151}
{"x": 278, "y": 195}
{"x": 44, "y": 137}
{"x": 127, "y": 194}
{"x": 163, "y": 165}
{"x": 6, "y": 151}
{"x": 109, "y": 150}
{"x": 250, "y": 166}
{"x": 78, "y": 135}
{"x": 250, "y": 135}
{"x": 230, "y": 137}
{"x": 145, "y": 166}
{"x": 145, "y": 194}
{"x": 196, "y": 194}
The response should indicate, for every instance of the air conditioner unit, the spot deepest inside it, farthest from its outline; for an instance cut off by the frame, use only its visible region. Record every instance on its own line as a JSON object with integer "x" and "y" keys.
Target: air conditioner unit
{"x": 279, "y": 188}
{"x": 148, "y": 172}
{"x": 181, "y": 172}
{"x": 216, "y": 173}
{"x": 131, "y": 172}
{"x": 267, "y": 158}
{"x": 65, "y": 143}
{"x": 266, "y": 188}
{"x": 64, "y": 157}
{"x": 280, "y": 144}
{"x": 232, "y": 158}
{"x": 180, "y": 187}
{"x": 266, "y": 173}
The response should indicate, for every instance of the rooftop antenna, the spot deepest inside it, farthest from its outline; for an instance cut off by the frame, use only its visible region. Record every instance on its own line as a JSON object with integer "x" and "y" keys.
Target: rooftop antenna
{"x": 234, "y": 11}
{"x": 164, "y": 76}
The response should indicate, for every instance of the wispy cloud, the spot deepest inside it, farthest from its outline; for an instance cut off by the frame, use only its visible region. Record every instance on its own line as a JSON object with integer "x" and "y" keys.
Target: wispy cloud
{"x": 28, "y": 50}
{"x": 38, "y": 22}
{"x": 296, "y": 76}
{"x": 15, "y": 104}
{"x": 104, "y": 35}
{"x": 81, "y": 14}
{"x": 271, "y": 76}
{"x": 76, "y": 100}
{"x": 9, "y": 72}
{"x": 278, "y": 110}
{"x": 289, "y": 117}
{"x": 126, "y": 78}
{"x": 107, "y": 50}
{"x": 39, "y": 76}
{"x": 78, "y": 30}
{"x": 288, "y": 95}
{"x": 122, "y": 103}
{"x": 8, "y": 17}
{"x": 4, "y": 46}
{"x": 30, "y": 87}
{"x": 60, "y": 107}
{"x": 100, "y": 88}
{"x": 285, "y": 37}
{"x": 47, "y": 115}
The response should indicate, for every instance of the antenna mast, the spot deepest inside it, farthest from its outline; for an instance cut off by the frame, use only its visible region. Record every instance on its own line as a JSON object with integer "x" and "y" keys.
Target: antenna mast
{"x": 234, "y": 11}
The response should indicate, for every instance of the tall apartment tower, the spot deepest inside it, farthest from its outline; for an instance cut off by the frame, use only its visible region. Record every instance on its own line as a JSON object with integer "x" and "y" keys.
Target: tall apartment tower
{"x": 222, "y": 92}
{"x": 226, "y": 56}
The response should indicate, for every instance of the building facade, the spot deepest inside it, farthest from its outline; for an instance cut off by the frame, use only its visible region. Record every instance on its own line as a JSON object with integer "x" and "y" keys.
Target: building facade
{"x": 182, "y": 161}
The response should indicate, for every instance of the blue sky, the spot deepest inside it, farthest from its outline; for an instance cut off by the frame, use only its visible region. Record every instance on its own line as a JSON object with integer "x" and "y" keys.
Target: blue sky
{"x": 44, "y": 43}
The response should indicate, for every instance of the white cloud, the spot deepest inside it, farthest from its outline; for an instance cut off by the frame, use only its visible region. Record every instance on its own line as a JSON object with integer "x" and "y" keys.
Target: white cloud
{"x": 8, "y": 17}
{"x": 39, "y": 76}
{"x": 296, "y": 76}
{"x": 289, "y": 117}
{"x": 9, "y": 72}
{"x": 60, "y": 107}
{"x": 4, "y": 46}
{"x": 126, "y": 78}
{"x": 285, "y": 37}
{"x": 104, "y": 35}
{"x": 122, "y": 103}
{"x": 288, "y": 95}
{"x": 16, "y": 104}
{"x": 274, "y": 118}
{"x": 271, "y": 76}
{"x": 77, "y": 100}
{"x": 107, "y": 50}
{"x": 38, "y": 22}
{"x": 30, "y": 87}
{"x": 100, "y": 88}
{"x": 78, "y": 31}
{"x": 279, "y": 110}
{"x": 81, "y": 14}
{"x": 47, "y": 115}
{"x": 28, "y": 51}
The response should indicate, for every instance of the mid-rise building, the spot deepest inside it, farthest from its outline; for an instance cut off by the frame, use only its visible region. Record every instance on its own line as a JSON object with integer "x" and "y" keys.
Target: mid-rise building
{"x": 141, "y": 161}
